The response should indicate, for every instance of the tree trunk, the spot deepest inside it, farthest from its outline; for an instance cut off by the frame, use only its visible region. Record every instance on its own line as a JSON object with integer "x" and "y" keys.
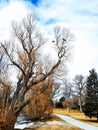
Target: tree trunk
{"x": 97, "y": 117}
{"x": 7, "y": 121}
{"x": 81, "y": 105}
{"x": 68, "y": 110}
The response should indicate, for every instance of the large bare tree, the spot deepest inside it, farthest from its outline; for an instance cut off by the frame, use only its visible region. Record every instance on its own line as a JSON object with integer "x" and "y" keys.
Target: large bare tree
{"x": 23, "y": 53}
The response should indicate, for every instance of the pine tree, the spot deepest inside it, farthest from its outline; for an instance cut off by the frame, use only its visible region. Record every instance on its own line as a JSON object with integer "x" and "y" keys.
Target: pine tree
{"x": 91, "y": 99}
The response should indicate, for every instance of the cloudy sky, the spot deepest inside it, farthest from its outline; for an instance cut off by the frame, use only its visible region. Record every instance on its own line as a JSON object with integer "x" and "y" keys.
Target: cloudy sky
{"x": 79, "y": 16}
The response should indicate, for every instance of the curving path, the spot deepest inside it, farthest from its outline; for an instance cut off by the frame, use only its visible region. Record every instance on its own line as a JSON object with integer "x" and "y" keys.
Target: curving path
{"x": 77, "y": 123}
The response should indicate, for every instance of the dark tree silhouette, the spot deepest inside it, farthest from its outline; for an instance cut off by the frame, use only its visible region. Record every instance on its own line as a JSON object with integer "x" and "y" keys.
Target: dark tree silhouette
{"x": 91, "y": 99}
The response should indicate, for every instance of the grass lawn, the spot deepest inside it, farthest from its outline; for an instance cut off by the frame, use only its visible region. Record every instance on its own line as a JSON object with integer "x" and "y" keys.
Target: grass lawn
{"x": 77, "y": 115}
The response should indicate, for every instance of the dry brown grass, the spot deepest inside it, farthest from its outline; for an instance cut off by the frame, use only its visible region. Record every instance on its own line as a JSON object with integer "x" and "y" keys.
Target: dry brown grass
{"x": 51, "y": 118}
{"x": 55, "y": 127}
{"x": 77, "y": 115}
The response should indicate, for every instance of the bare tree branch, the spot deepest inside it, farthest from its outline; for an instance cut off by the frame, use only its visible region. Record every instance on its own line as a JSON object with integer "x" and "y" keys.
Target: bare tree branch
{"x": 24, "y": 52}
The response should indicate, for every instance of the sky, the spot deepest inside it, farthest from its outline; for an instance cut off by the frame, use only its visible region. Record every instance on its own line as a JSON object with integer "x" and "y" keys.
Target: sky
{"x": 79, "y": 16}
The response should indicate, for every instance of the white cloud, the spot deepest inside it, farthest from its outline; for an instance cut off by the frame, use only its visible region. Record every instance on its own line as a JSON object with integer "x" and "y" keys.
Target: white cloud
{"x": 13, "y": 10}
{"x": 83, "y": 22}
{"x": 81, "y": 17}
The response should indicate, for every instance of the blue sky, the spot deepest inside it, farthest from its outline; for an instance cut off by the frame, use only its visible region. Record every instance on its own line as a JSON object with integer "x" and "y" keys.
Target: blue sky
{"x": 35, "y": 2}
{"x": 79, "y": 16}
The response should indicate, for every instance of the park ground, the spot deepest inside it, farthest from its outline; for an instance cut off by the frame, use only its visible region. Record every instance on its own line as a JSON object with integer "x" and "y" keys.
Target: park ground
{"x": 55, "y": 123}
{"x": 77, "y": 115}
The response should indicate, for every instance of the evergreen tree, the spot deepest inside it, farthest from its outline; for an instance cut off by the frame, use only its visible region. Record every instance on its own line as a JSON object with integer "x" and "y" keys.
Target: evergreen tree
{"x": 91, "y": 99}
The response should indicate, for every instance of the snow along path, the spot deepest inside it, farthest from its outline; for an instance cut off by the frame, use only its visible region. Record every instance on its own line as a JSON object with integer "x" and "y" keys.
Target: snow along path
{"x": 77, "y": 123}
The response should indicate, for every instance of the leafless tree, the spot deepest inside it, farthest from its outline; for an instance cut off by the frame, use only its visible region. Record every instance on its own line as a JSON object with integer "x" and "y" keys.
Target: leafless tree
{"x": 23, "y": 52}
{"x": 67, "y": 93}
{"x": 5, "y": 86}
{"x": 79, "y": 88}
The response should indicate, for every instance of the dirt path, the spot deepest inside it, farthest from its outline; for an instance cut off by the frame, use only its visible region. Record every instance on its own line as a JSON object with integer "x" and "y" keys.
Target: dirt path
{"x": 77, "y": 123}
